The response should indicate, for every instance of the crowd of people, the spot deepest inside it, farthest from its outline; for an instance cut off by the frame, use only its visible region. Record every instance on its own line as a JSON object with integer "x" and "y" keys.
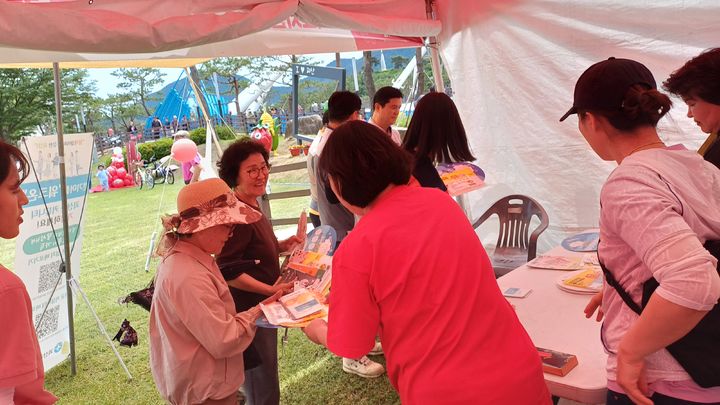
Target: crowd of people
{"x": 401, "y": 283}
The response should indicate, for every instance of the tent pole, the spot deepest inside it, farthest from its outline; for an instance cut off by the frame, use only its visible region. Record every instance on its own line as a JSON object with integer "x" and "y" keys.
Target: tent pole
{"x": 194, "y": 79}
{"x": 65, "y": 220}
{"x": 433, "y": 46}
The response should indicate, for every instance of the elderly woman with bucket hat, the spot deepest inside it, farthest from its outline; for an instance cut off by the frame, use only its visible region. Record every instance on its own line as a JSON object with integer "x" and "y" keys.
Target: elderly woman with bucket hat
{"x": 197, "y": 338}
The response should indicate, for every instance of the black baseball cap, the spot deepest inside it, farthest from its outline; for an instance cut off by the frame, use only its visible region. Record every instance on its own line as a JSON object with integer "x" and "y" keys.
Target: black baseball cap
{"x": 603, "y": 85}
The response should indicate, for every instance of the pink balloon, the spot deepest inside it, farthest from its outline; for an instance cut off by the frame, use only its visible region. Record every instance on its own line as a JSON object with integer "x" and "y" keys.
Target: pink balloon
{"x": 112, "y": 171}
{"x": 121, "y": 173}
{"x": 184, "y": 150}
{"x": 128, "y": 181}
{"x": 118, "y": 183}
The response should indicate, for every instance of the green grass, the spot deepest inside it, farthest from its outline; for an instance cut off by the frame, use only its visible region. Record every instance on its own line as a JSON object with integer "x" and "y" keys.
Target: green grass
{"x": 117, "y": 231}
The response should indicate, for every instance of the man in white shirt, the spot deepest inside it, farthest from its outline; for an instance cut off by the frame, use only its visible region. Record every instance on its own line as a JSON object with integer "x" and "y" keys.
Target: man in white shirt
{"x": 386, "y": 108}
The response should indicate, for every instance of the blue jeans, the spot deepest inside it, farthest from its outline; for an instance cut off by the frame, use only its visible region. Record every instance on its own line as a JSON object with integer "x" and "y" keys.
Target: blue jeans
{"x": 615, "y": 398}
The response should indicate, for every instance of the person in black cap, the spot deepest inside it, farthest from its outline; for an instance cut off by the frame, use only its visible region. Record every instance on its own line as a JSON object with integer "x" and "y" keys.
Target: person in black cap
{"x": 698, "y": 83}
{"x": 653, "y": 207}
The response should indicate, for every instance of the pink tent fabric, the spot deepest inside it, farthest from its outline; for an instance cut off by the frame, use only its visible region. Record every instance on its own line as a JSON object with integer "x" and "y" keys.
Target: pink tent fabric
{"x": 122, "y": 30}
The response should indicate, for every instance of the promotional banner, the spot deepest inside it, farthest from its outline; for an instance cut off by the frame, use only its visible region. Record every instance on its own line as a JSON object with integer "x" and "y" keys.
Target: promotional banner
{"x": 37, "y": 255}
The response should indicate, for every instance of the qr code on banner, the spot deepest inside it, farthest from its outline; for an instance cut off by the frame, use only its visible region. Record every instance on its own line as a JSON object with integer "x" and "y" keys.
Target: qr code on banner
{"x": 49, "y": 274}
{"x": 49, "y": 323}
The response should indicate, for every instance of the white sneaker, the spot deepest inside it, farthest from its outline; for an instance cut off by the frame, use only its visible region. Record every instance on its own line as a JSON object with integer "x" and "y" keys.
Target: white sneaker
{"x": 363, "y": 367}
{"x": 376, "y": 350}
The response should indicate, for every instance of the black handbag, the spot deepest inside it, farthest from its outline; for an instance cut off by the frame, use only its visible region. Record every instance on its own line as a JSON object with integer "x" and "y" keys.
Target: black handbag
{"x": 698, "y": 352}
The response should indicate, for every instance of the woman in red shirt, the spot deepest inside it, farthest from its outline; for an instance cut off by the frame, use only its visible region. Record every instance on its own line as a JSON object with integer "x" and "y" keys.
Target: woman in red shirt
{"x": 414, "y": 270}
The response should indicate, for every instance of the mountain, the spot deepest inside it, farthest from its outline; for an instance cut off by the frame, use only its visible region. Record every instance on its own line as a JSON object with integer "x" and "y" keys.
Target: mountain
{"x": 278, "y": 92}
{"x": 407, "y": 53}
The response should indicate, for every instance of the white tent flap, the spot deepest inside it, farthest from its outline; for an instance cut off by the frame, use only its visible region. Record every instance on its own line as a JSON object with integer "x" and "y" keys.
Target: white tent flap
{"x": 513, "y": 66}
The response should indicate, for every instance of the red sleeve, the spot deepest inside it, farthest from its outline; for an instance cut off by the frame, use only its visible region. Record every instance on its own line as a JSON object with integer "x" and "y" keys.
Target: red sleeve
{"x": 18, "y": 356}
{"x": 354, "y": 316}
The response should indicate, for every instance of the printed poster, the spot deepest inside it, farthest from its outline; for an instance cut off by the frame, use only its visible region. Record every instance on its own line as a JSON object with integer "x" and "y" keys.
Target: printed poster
{"x": 37, "y": 258}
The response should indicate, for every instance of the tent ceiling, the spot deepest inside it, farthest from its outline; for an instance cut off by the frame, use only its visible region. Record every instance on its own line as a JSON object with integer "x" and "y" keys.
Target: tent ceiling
{"x": 184, "y": 32}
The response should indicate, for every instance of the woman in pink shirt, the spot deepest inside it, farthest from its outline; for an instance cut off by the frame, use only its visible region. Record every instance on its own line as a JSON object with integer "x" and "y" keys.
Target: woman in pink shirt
{"x": 21, "y": 367}
{"x": 658, "y": 208}
{"x": 196, "y": 337}
{"x": 414, "y": 271}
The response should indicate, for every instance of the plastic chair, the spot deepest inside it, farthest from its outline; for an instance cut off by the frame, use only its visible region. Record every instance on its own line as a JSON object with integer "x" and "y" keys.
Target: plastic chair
{"x": 515, "y": 245}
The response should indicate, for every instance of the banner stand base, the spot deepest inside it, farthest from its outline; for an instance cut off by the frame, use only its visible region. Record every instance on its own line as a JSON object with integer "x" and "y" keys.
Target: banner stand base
{"x": 75, "y": 285}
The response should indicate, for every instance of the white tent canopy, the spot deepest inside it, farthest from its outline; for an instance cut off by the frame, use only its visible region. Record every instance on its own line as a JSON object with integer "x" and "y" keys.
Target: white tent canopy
{"x": 512, "y": 63}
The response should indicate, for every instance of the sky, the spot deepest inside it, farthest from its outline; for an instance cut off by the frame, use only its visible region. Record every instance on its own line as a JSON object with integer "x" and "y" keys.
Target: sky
{"x": 106, "y": 83}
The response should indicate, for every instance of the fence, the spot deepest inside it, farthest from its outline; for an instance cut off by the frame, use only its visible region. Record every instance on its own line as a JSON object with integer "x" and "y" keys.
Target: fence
{"x": 266, "y": 198}
{"x": 240, "y": 123}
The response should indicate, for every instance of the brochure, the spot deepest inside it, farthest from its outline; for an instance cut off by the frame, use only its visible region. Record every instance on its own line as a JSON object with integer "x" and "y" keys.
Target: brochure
{"x": 556, "y": 262}
{"x": 461, "y": 177}
{"x": 310, "y": 269}
{"x": 294, "y": 310}
{"x": 301, "y": 303}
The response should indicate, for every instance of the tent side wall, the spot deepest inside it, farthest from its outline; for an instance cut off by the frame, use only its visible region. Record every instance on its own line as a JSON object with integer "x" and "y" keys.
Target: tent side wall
{"x": 513, "y": 67}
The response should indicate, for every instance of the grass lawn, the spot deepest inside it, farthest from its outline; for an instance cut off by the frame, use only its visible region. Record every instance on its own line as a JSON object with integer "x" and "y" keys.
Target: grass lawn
{"x": 118, "y": 226}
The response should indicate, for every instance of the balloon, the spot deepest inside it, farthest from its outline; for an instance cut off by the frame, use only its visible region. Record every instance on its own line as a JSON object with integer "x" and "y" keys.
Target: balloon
{"x": 117, "y": 151}
{"x": 121, "y": 172}
{"x": 128, "y": 181}
{"x": 112, "y": 171}
{"x": 118, "y": 165}
{"x": 184, "y": 150}
{"x": 118, "y": 183}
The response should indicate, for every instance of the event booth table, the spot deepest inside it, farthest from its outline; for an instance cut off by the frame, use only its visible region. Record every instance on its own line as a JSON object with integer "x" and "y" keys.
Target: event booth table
{"x": 554, "y": 319}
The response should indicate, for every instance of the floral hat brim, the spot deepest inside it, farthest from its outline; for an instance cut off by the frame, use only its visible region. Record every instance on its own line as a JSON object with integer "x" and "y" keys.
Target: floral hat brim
{"x": 221, "y": 210}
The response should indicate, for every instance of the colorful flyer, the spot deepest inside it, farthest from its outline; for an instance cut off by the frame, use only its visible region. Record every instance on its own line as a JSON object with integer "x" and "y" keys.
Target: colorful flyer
{"x": 460, "y": 178}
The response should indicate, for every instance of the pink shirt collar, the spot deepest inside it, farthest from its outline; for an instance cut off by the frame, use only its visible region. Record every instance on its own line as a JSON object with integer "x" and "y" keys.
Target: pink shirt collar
{"x": 195, "y": 252}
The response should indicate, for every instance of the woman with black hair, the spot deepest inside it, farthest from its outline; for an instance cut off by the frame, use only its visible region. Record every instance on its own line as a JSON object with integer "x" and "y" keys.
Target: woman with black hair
{"x": 414, "y": 271}
{"x": 249, "y": 263}
{"x": 22, "y": 374}
{"x": 435, "y": 135}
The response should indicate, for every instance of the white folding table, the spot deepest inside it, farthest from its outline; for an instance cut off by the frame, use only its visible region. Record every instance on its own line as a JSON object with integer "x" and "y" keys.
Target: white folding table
{"x": 554, "y": 319}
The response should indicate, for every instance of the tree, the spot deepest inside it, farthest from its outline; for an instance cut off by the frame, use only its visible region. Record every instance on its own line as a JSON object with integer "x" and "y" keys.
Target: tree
{"x": 399, "y": 61}
{"x": 119, "y": 109}
{"x": 77, "y": 92}
{"x": 139, "y": 83}
{"x": 27, "y": 100}
{"x": 268, "y": 67}
{"x": 368, "y": 74}
{"x": 227, "y": 68}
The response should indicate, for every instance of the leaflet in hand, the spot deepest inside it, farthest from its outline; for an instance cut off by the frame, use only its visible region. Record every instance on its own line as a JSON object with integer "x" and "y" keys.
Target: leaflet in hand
{"x": 310, "y": 265}
{"x": 461, "y": 177}
{"x": 295, "y": 309}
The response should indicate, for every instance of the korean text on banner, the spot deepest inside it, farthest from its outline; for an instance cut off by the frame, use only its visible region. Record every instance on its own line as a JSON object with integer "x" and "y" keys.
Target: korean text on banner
{"x": 37, "y": 256}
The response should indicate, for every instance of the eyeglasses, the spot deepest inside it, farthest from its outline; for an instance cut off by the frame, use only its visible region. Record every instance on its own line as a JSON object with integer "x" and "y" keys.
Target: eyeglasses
{"x": 254, "y": 173}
